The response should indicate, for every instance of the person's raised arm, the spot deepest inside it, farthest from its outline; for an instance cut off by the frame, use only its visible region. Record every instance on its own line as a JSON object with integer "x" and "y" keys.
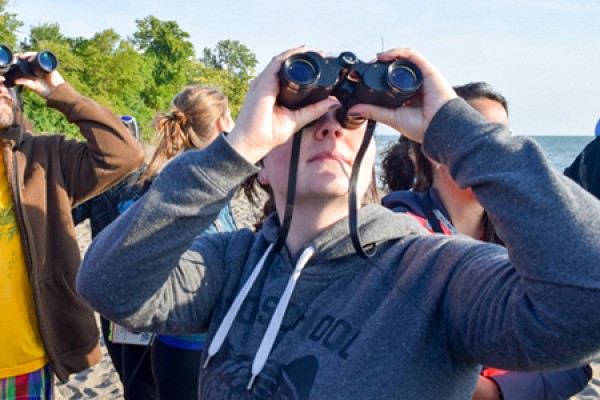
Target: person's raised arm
{"x": 109, "y": 152}
{"x": 135, "y": 260}
{"x": 547, "y": 286}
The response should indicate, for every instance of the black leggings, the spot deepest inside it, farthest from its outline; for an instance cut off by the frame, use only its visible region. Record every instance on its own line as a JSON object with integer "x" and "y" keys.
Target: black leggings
{"x": 175, "y": 371}
{"x": 132, "y": 363}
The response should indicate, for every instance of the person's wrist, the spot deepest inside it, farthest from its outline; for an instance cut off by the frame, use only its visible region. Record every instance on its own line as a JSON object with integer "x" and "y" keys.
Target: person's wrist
{"x": 53, "y": 82}
{"x": 237, "y": 140}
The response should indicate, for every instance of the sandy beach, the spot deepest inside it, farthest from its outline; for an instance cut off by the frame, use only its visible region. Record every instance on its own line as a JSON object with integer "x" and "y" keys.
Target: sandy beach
{"x": 102, "y": 382}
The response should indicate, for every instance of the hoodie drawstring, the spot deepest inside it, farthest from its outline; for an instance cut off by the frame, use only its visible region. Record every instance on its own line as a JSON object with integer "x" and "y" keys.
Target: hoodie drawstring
{"x": 225, "y": 325}
{"x": 266, "y": 345}
{"x": 271, "y": 333}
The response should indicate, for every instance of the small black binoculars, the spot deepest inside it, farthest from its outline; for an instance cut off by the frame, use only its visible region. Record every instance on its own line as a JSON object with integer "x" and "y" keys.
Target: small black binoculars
{"x": 44, "y": 62}
{"x": 306, "y": 78}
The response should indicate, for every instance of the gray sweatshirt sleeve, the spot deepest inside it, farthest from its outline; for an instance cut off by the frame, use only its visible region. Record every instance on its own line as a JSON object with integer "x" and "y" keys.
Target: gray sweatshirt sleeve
{"x": 552, "y": 385}
{"x": 542, "y": 303}
{"x": 145, "y": 268}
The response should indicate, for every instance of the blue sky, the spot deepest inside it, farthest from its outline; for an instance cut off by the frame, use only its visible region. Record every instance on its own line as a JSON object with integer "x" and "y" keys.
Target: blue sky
{"x": 544, "y": 56}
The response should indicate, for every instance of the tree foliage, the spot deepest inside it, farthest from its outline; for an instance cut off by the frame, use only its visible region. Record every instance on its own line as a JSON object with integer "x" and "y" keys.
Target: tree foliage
{"x": 232, "y": 56}
{"x": 8, "y": 25}
{"x": 138, "y": 75}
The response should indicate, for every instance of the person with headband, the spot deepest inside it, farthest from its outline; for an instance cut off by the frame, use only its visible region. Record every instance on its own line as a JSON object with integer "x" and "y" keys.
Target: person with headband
{"x": 47, "y": 329}
{"x": 313, "y": 319}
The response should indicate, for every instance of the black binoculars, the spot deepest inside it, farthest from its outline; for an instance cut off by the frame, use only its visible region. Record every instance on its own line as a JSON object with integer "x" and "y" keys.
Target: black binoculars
{"x": 306, "y": 78}
{"x": 44, "y": 62}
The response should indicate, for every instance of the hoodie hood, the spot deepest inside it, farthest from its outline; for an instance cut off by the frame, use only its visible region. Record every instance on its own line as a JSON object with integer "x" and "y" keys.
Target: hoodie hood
{"x": 404, "y": 201}
{"x": 376, "y": 225}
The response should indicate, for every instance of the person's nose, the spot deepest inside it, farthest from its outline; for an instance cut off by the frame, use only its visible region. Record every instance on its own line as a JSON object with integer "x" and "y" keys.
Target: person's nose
{"x": 329, "y": 128}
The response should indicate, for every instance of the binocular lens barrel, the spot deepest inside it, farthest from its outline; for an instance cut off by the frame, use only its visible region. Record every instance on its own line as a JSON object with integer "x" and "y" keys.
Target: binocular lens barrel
{"x": 12, "y": 69}
{"x": 402, "y": 77}
{"x": 6, "y": 56}
{"x": 47, "y": 61}
{"x": 301, "y": 70}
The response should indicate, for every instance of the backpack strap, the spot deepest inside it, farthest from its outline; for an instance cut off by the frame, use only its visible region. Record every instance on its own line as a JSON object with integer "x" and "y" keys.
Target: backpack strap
{"x": 425, "y": 203}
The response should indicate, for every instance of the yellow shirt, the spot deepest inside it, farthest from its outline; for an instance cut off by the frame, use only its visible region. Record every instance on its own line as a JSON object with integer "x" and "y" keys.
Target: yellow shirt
{"x": 21, "y": 348}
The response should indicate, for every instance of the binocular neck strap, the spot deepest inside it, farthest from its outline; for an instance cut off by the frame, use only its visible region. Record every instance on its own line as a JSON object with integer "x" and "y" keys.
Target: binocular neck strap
{"x": 353, "y": 200}
{"x": 291, "y": 193}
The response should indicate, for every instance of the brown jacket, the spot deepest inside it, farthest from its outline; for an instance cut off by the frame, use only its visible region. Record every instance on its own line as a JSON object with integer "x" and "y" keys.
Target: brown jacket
{"x": 47, "y": 176}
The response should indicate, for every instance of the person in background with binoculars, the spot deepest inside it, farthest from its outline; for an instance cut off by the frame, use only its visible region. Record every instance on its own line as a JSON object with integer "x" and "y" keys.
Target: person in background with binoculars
{"x": 47, "y": 329}
{"x": 416, "y": 317}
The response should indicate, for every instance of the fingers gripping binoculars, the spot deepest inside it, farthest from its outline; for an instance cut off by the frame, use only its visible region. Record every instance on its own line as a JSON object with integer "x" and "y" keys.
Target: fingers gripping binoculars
{"x": 306, "y": 78}
{"x": 44, "y": 62}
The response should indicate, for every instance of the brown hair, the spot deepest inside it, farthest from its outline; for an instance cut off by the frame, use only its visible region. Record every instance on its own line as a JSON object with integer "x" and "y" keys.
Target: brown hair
{"x": 189, "y": 125}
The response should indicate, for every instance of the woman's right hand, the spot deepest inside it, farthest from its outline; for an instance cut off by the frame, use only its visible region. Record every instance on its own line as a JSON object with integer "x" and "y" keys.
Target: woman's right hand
{"x": 262, "y": 124}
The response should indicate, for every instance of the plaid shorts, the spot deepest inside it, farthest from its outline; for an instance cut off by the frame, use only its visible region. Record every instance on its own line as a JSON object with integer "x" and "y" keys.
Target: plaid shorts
{"x": 36, "y": 385}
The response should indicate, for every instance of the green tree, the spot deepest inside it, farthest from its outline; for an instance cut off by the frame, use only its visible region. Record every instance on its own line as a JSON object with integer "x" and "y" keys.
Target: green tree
{"x": 9, "y": 25}
{"x": 112, "y": 70}
{"x": 137, "y": 76}
{"x": 170, "y": 55}
{"x": 234, "y": 87}
{"x": 43, "y": 33}
{"x": 232, "y": 56}
{"x": 229, "y": 66}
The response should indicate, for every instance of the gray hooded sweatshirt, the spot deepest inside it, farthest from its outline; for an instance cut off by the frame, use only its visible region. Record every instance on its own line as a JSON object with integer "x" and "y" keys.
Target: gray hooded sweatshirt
{"x": 415, "y": 321}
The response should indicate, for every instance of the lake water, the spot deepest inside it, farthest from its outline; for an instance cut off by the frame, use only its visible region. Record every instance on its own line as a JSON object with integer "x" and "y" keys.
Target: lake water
{"x": 560, "y": 150}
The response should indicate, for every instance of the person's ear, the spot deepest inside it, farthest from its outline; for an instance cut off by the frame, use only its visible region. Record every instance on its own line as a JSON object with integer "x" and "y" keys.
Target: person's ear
{"x": 225, "y": 122}
{"x": 220, "y": 124}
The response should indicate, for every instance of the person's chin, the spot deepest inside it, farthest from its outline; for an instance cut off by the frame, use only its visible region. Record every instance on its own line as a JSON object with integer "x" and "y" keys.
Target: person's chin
{"x": 328, "y": 189}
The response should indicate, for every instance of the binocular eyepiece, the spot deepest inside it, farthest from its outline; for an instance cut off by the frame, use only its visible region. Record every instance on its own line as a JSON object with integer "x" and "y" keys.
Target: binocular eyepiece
{"x": 306, "y": 78}
{"x": 44, "y": 62}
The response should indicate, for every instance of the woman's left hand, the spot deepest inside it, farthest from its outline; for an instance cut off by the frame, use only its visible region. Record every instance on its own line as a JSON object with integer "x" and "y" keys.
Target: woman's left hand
{"x": 411, "y": 120}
